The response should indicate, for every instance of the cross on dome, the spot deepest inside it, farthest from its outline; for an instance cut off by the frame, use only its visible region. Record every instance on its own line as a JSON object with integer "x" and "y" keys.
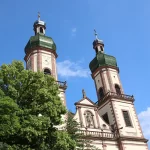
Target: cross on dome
{"x": 95, "y": 34}
{"x": 39, "y": 15}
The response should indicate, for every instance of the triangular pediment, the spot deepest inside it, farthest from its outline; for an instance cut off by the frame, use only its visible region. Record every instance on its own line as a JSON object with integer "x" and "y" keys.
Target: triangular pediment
{"x": 85, "y": 101}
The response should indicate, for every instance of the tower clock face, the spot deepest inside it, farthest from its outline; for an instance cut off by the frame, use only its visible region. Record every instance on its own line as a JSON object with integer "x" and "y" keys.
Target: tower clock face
{"x": 46, "y": 60}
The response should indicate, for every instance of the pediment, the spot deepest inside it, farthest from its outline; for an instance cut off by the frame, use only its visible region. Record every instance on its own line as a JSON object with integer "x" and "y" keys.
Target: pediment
{"x": 85, "y": 101}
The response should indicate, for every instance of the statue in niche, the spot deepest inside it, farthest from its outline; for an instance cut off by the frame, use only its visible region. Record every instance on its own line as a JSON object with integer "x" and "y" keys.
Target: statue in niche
{"x": 89, "y": 119}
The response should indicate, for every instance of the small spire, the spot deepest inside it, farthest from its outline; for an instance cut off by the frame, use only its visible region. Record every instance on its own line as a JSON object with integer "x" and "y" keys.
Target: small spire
{"x": 39, "y": 16}
{"x": 95, "y": 33}
{"x": 83, "y": 93}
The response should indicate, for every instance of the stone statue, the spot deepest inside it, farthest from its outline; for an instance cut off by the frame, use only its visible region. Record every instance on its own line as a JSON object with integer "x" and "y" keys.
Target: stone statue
{"x": 89, "y": 119}
{"x": 83, "y": 93}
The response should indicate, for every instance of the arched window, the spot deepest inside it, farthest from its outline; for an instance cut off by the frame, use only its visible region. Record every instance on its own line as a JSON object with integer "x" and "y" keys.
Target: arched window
{"x": 96, "y": 50}
{"x": 118, "y": 91}
{"x": 101, "y": 48}
{"x": 89, "y": 119}
{"x": 47, "y": 71}
{"x": 101, "y": 93}
{"x": 41, "y": 30}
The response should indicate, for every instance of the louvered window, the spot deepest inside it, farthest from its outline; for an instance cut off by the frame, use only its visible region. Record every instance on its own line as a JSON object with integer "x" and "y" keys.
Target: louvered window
{"x": 127, "y": 118}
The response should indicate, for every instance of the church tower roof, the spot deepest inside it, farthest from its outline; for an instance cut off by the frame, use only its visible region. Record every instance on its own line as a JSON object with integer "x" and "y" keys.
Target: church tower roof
{"x": 101, "y": 59}
{"x": 40, "y": 39}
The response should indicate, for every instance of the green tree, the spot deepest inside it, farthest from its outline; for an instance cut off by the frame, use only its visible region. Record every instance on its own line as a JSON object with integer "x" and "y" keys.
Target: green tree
{"x": 29, "y": 109}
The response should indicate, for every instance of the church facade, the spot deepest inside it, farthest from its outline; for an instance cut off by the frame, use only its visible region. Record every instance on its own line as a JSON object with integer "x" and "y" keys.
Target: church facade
{"x": 111, "y": 123}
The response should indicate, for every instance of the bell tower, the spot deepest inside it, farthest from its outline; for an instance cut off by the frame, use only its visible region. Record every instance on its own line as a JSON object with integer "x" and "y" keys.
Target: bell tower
{"x": 116, "y": 108}
{"x": 41, "y": 51}
{"x": 105, "y": 71}
{"x": 40, "y": 55}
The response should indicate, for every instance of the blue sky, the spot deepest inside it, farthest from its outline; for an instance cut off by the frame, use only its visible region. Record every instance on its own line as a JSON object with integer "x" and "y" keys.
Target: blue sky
{"x": 124, "y": 26}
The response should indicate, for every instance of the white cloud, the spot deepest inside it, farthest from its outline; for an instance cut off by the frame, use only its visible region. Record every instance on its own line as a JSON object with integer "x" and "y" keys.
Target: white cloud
{"x": 144, "y": 118}
{"x": 74, "y": 30}
{"x": 71, "y": 69}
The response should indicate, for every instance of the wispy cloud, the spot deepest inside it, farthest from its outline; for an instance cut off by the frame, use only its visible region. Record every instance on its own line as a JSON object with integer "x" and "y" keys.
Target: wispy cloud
{"x": 145, "y": 123}
{"x": 73, "y": 31}
{"x": 72, "y": 69}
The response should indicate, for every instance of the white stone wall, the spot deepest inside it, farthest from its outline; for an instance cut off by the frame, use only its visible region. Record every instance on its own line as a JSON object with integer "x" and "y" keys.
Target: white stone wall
{"x": 105, "y": 145}
{"x": 106, "y": 81}
{"x": 46, "y": 61}
{"x": 98, "y": 80}
{"x": 63, "y": 99}
{"x": 62, "y": 96}
{"x": 35, "y": 63}
{"x": 41, "y": 59}
{"x": 133, "y": 145}
{"x": 135, "y": 130}
{"x": 112, "y": 144}
{"x": 115, "y": 78}
{"x": 98, "y": 121}
{"x": 107, "y": 78}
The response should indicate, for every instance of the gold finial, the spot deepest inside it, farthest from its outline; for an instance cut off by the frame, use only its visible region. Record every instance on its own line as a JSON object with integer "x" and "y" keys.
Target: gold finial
{"x": 95, "y": 34}
{"x": 83, "y": 93}
{"x": 39, "y": 15}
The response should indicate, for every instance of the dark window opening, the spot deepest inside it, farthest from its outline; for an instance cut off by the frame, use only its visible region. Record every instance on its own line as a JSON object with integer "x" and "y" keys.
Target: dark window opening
{"x": 118, "y": 91}
{"x": 101, "y": 48}
{"x": 47, "y": 71}
{"x": 101, "y": 93}
{"x": 127, "y": 119}
{"x": 96, "y": 50}
{"x": 105, "y": 117}
{"x": 41, "y": 30}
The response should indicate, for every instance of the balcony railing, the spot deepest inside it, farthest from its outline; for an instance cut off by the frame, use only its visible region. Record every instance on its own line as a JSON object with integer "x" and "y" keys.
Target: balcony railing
{"x": 115, "y": 95}
{"x": 97, "y": 134}
{"x": 62, "y": 85}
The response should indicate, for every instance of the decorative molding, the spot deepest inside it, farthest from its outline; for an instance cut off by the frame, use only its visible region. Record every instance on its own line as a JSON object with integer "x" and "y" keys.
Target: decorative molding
{"x": 97, "y": 118}
{"x": 120, "y": 83}
{"x": 103, "y": 82}
{"x": 53, "y": 66}
{"x": 101, "y": 67}
{"x": 134, "y": 139}
{"x": 138, "y": 121}
{"x": 39, "y": 48}
{"x": 119, "y": 142}
{"x": 39, "y": 61}
{"x": 110, "y": 81}
{"x": 80, "y": 116}
{"x": 32, "y": 62}
{"x": 79, "y": 102}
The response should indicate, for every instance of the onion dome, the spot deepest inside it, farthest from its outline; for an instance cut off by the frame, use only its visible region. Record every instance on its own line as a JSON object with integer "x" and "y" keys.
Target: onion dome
{"x": 101, "y": 58}
{"x": 40, "y": 39}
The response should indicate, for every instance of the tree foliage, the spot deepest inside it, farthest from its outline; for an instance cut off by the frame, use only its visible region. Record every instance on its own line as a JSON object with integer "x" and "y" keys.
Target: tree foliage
{"x": 29, "y": 109}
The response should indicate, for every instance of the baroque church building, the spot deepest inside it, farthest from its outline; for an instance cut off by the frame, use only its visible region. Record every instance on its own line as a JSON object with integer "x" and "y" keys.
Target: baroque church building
{"x": 111, "y": 123}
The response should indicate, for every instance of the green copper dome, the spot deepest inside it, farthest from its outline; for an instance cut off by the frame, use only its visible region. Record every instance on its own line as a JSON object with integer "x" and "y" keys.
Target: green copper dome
{"x": 102, "y": 59}
{"x": 40, "y": 40}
